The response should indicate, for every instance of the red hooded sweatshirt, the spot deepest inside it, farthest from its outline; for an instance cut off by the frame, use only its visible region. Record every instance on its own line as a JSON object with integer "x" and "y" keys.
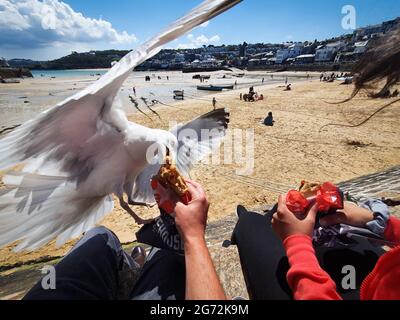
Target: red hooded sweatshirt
{"x": 309, "y": 281}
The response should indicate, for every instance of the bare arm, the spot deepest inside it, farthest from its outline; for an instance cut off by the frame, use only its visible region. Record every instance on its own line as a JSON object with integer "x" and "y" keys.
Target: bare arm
{"x": 202, "y": 282}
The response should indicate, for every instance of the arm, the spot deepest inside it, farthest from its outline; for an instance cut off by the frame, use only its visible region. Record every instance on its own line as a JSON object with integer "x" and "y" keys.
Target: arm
{"x": 305, "y": 277}
{"x": 356, "y": 216}
{"x": 202, "y": 281}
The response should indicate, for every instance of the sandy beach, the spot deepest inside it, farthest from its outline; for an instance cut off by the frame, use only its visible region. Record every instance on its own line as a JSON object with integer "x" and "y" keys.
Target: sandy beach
{"x": 20, "y": 102}
{"x": 294, "y": 149}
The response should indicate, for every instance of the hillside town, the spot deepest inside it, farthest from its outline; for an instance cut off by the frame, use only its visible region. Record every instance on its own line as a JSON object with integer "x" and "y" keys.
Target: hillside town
{"x": 339, "y": 53}
{"x": 343, "y": 50}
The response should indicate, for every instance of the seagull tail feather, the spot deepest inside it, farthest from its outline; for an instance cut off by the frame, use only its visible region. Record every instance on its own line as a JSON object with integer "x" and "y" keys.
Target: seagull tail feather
{"x": 35, "y": 209}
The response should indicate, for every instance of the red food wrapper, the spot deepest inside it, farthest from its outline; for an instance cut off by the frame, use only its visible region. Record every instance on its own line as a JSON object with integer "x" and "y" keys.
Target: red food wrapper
{"x": 186, "y": 198}
{"x": 329, "y": 199}
{"x": 296, "y": 202}
{"x": 162, "y": 232}
{"x": 166, "y": 198}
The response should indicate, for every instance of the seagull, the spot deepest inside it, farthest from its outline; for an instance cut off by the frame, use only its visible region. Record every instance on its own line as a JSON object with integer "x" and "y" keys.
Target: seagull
{"x": 73, "y": 157}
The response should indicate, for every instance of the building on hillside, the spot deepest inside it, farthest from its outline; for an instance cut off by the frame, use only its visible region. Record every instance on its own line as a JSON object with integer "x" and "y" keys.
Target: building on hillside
{"x": 328, "y": 52}
{"x": 262, "y": 59}
{"x": 370, "y": 32}
{"x": 360, "y": 47}
{"x": 263, "y": 55}
{"x": 254, "y": 63}
{"x": 295, "y": 49}
{"x": 282, "y": 55}
{"x": 309, "y": 48}
{"x": 304, "y": 59}
{"x": 346, "y": 57}
{"x": 353, "y": 54}
{"x": 289, "y": 61}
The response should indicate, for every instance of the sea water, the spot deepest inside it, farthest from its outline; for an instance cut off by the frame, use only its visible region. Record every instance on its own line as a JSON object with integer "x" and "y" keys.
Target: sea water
{"x": 72, "y": 73}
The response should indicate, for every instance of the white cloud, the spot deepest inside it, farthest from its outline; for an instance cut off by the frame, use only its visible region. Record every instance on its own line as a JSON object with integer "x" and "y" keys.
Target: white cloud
{"x": 199, "y": 41}
{"x": 205, "y": 24}
{"x": 35, "y": 24}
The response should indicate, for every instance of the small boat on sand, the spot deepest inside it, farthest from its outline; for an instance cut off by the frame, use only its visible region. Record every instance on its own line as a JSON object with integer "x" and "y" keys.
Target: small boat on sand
{"x": 179, "y": 94}
{"x": 215, "y": 88}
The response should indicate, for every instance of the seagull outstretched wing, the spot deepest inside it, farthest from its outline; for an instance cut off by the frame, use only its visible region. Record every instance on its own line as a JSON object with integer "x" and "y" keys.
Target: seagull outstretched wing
{"x": 71, "y": 151}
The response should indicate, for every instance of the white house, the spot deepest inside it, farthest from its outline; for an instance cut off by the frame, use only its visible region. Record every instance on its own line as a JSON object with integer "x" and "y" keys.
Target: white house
{"x": 296, "y": 49}
{"x": 328, "y": 52}
{"x": 305, "y": 58}
{"x": 282, "y": 55}
{"x": 360, "y": 47}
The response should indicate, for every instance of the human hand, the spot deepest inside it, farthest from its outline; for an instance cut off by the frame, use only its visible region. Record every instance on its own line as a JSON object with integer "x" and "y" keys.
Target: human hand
{"x": 285, "y": 223}
{"x": 351, "y": 214}
{"x": 191, "y": 219}
{"x": 166, "y": 199}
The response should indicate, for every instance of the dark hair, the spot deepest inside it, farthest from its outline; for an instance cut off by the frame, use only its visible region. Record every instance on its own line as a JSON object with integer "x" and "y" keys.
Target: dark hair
{"x": 380, "y": 62}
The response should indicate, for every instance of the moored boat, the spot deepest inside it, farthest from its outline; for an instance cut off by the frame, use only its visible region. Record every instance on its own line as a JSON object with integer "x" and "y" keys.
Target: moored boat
{"x": 215, "y": 88}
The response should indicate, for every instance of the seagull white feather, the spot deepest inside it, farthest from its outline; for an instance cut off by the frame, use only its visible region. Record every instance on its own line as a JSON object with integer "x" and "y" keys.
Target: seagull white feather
{"x": 80, "y": 152}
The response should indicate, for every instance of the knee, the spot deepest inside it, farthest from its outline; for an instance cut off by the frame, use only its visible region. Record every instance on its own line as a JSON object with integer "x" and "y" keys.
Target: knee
{"x": 109, "y": 236}
{"x": 100, "y": 230}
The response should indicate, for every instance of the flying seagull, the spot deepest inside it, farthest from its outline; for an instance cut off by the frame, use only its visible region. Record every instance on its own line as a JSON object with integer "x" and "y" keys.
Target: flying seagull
{"x": 76, "y": 155}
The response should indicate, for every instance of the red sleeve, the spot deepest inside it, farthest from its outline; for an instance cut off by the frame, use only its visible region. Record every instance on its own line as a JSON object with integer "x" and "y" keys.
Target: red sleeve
{"x": 392, "y": 231}
{"x": 306, "y": 278}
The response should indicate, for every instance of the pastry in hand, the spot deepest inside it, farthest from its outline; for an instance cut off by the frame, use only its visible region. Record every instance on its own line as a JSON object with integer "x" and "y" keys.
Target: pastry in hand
{"x": 309, "y": 189}
{"x": 169, "y": 177}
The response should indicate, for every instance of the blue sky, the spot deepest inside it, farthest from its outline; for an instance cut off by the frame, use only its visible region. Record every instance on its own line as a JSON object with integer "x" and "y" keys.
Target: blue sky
{"x": 126, "y": 23}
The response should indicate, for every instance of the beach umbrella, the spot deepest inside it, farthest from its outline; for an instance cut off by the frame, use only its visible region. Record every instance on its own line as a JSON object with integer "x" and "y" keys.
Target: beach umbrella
{"x": 79, "y": 153}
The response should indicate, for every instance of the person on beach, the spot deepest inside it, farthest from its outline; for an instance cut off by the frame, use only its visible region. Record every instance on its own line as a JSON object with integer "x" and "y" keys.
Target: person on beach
{"x": 98, "y": 267}
{"x": 251, "y": 95}
{"x": 214, "y": 103}
{"x": 288, "y": 87}
{"x": 280, "y": 261}
{"x": 278, "y": 257}
{"x": 134, "y": 91}
{"x": 269, "y": 120}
